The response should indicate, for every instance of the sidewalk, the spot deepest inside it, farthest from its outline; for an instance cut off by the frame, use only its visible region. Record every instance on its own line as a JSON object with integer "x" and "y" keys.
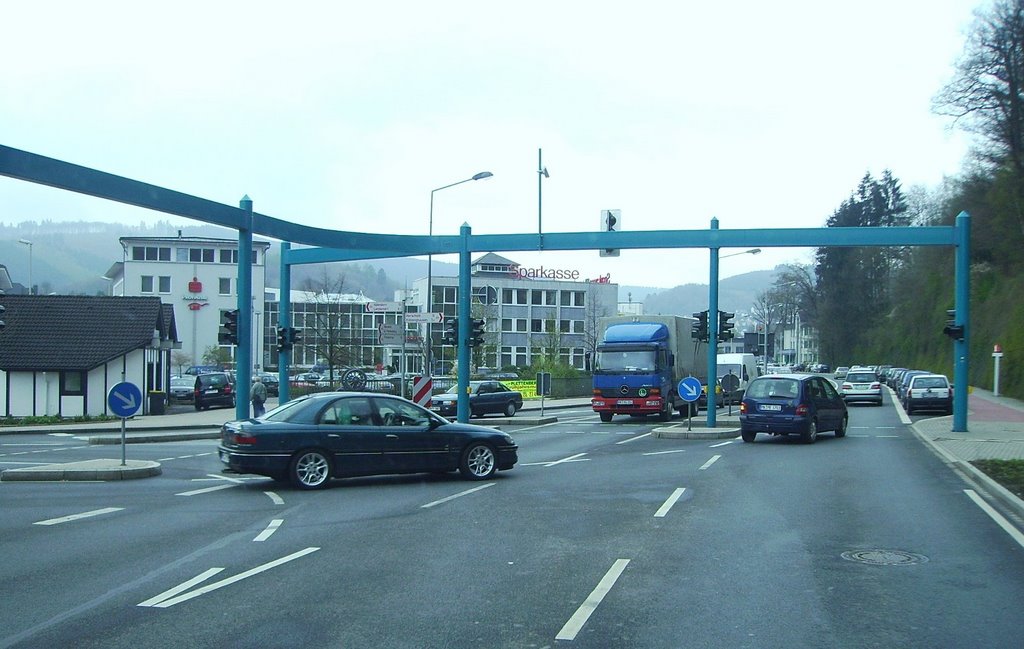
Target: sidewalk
{"x": 995, "y": 431}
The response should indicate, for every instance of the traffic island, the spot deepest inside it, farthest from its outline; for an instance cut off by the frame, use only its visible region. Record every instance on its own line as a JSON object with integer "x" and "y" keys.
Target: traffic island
{"x": 682, "y": 431}
{"x": 89, "y": 470}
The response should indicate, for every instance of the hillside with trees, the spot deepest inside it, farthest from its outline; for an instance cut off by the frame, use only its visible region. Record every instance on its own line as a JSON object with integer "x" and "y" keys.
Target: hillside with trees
{"x": 888, "y": 305}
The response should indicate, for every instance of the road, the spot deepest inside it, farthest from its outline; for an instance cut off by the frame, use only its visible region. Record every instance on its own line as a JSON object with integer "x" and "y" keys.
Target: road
{"x": 603, "y": 536}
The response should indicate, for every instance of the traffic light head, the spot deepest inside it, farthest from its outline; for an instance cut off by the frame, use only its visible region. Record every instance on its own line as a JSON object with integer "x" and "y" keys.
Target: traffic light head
{"x": 700, "y": 328}
{"x": 283, "y": 343}
{"x": 228, "y": 334}
{"x": 952, "y": 328}
{"x": 294, "y": 336}
{"x": 476, "y": 334}
{"x": 725, "y": 327}
{"x": 451, "y": 332}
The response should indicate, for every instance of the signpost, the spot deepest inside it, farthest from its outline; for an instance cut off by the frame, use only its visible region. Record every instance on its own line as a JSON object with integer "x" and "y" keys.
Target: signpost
{"x": 689, "y": 389}
{"x": 543, "y": 388}
{"x": 997, "y": 353}
{"x": 124, "y": 400}
{"x": 383, "y": 307}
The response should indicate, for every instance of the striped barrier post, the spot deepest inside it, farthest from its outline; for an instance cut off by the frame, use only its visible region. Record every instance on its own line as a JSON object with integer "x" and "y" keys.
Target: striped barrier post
{"x": 422, "y": 388}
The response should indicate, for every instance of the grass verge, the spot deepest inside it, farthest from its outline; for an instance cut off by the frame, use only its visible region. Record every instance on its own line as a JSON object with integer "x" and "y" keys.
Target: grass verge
{"x": 1009, "y": 473}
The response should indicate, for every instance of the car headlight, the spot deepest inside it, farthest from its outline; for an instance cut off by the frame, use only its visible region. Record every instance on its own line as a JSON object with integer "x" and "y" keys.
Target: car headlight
{"x": 509, "y": 440}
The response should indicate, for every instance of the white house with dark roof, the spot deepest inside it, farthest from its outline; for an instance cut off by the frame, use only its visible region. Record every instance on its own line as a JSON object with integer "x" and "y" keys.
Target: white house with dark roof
{"x": 61, "y": 354}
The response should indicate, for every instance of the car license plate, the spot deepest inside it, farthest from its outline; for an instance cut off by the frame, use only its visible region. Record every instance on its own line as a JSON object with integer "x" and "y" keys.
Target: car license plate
{"x": 625, "y": 402}
{"x": 211, "y": 392}
{"x": 772, "y": 408}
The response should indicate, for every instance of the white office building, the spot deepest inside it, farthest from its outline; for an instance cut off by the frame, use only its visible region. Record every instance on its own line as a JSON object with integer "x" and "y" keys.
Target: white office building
{"x": 198, "y": 276}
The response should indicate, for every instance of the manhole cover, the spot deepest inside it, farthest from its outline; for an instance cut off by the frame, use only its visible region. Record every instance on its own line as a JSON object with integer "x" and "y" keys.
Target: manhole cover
{"x": 884, "y": 557}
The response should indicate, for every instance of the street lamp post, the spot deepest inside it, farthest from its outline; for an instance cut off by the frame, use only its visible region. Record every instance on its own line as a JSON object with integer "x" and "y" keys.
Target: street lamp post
{"x": 29, "y": 244}
{"x": 430, "y": 258}
{"x": 752, "y": 251}
{"x": 542, "y": 173}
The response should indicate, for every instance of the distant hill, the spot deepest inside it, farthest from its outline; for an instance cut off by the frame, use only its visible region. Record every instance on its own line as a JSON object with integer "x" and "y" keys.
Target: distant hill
{"x": 736, "y": 294}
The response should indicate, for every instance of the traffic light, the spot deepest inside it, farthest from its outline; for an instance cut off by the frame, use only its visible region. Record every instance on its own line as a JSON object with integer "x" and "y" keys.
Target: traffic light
{"x": 476, "y": 333}
{"x": 294, "y": 336}
{"x": 700, "y": 330}
{"x": 228, "y": 334}
{"x": 451, "y": 332}
{"x": 725, "y": 328}
{"x": 283, "y": 343}
{"x": 952, "y": 329}
{"x": 611, "y": 221}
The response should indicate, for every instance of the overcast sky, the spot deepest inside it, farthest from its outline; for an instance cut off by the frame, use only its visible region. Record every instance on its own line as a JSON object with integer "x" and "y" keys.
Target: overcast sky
{"x": 346, "y": 115}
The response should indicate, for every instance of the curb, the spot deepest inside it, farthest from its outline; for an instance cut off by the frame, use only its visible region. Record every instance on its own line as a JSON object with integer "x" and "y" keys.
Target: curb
{"x": 91, "y": 470}
{"x": 973, "y": 474}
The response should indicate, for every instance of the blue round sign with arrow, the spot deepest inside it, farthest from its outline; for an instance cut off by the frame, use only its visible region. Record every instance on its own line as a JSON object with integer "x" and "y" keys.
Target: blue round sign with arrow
{"x": 690, "y": 389}
{"x": 124, "y": 399}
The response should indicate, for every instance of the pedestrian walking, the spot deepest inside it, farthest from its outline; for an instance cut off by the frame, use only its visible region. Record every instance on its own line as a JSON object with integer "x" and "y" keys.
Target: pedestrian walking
{"x": 258, "y": 396}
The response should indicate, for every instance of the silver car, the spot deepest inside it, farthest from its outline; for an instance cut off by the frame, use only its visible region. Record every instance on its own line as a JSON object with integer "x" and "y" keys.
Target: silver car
{"x": 861, "y": 386}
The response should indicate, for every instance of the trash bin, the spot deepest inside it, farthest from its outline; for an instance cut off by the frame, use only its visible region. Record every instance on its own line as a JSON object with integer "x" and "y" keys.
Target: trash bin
{"x": 157, "y": 403}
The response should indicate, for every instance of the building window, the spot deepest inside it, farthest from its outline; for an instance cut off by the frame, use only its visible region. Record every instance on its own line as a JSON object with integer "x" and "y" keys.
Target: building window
{"x": 579, "y": 298}
{"x": 513, "y": 356}
{"x": 229, "y": 256}
{"x": 181, "y": 255}
{"x": 150, "y": 253}
{"x": 225, "y": 286}
{"x": 147, "y": 284}
{"x": 164, "y": 284}
{"x": 537, "y": 325}
{"x": 197, "y": 255}
{"x": 564, "y": 326}
{"x": 72, "y": 383}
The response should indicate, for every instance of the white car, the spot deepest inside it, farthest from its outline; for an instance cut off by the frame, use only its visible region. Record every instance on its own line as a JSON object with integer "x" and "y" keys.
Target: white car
{"x": 861, "y": 385}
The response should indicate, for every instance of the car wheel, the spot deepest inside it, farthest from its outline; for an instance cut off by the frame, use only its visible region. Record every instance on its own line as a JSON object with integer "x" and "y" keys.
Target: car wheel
{"x": 811, "y": 434}
{"x": 478, "y": 462}
{"x": 198, "y": 407}
{"x": 748, "y": 436}
{"x": 606, "y": 417}
{"x": 841, "y": 431}
{"x": 906, "y": 407}
{"x": 510, "y": 409}
{"x": 310, "y": 469}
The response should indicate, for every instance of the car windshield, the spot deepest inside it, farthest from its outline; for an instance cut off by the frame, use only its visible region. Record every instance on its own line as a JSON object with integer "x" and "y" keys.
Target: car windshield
{"x": 930, "y": 382}
{"x": 861, "y": 378}
{"x": 626, "y": 361}
{"x": 182, "y": 383}
{"x": 774, "y": 388}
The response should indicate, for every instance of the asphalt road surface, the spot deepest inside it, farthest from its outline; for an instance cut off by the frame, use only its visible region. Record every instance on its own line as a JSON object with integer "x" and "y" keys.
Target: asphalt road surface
{"x": 603, "y": 536}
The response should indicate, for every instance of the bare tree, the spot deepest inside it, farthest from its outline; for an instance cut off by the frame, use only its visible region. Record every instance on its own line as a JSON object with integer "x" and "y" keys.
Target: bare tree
{"x": 330, "y": 336}
{"x": 987, "y": 94}
{"x": 180, "y": 359}
{"x": 595, "y": 310}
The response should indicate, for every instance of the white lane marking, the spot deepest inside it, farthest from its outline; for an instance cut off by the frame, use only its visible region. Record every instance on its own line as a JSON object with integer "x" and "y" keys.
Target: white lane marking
{"x": 633, "y": 439}
{"x": 678, "y": 450}
{"x": 224, "y": 477}
{"x": 731, "y": 441}
{"x": 265, "y": 534}
{"x": 667, "y": 505}
{"x": 75, "y": 517}
{"x": 277, "y": 500}
{"x": 196, "y": 492}
{"x": 61, "y": 434}
{"x": 583, "y": 613}
{"x": 1014, "y": 533}
{"x": 887, "y": 436}
{"x": 23, "y": 462}
{"x": 710, "y": 462}
{"x": 230, "y": 580}
{"x": 180, "y": 588}
{"x": 458, "y": 495}
{"x": 525, "y": 428}
{"x": 567, "y": 459}
{"x": 47, "y": 444}
{"x": 164, "y": 459}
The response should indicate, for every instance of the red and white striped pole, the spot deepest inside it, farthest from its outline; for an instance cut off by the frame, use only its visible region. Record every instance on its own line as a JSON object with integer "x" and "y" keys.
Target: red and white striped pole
{"x": 422, "y": 389}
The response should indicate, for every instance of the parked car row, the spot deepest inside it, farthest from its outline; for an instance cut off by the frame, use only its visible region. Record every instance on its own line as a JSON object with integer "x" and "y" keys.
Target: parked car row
{"x": 921, "y": 389}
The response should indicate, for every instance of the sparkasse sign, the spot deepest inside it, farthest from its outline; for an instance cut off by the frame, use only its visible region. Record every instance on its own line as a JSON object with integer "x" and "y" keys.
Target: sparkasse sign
{"x": 518, "y": 272}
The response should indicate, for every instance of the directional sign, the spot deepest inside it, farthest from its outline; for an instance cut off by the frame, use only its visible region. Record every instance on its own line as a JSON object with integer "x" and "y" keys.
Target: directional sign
{"x": 124, "y": 399}
{"x": 690, "y": 389}
{"x": 383, "y": 307}
{"x": 423, "y": 316}
{"x": 389, "y": 334}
